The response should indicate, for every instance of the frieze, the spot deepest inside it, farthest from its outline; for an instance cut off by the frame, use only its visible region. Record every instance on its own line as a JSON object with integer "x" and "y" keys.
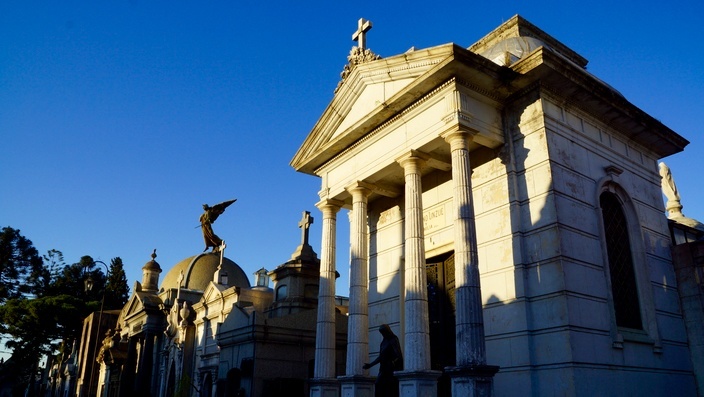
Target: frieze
{"x": 434, "y": 218}
{"x": 388, "y": 216}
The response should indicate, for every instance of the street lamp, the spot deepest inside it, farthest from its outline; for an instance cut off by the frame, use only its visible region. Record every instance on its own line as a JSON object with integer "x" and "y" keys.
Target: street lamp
{"x": 89, "y": 286}
{"x": 88, "y": 283}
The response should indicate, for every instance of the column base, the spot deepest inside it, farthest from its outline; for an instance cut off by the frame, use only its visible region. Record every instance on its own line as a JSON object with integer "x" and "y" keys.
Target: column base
{"x": 356, "y": 386}
{"x": 418, "y": 383}
{"x": 324, "y": 387}
{"x": 472, "y": 381}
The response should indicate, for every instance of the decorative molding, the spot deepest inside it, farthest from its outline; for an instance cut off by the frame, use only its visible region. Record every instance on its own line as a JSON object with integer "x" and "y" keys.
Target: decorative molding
{"x": 479, "y": 90}
{"x": 612, "y": 170}
{"x": 392, "y": 120}
{"x": 457, "y": 105}
{"x": 356, "y": 57}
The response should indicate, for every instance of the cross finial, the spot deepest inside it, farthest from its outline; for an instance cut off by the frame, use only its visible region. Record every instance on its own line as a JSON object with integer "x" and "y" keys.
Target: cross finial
{"x": 304, "y": 224}
{"x": 179, "y": 280}
{"x": 360, "y": 35}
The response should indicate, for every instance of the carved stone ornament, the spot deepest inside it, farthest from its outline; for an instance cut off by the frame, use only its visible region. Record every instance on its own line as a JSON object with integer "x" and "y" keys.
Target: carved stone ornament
{"x": 172, "y": 320}
{"x": 356, "y": 57}
{"x": 184, "y": 313}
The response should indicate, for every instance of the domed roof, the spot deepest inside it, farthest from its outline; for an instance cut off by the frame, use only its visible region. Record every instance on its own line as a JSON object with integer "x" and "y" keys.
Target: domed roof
{"x": 518, "y": 47}
{"x": 198, "y": 271}
{"x": 152, "y": 264}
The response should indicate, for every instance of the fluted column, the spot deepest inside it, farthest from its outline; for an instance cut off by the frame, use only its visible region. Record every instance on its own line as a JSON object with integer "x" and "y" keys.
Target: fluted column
{"x": 471, "y": 376}
{"x": 469, "y": 323}
{"x": 417, "y": 334}
{"x": 358, "y": 321}
{"x": 325, "y": 328}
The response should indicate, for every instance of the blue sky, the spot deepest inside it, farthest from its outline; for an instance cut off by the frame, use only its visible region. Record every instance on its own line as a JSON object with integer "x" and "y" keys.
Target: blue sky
{"x": 118, "y": 120}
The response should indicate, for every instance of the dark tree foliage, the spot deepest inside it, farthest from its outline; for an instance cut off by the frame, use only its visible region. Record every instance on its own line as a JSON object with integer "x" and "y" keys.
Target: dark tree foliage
{"x": 43, "y": 301}
{"x": 116, "y": 290}
{"x": 19, "y": 264}
{"x": 37, "y": 327}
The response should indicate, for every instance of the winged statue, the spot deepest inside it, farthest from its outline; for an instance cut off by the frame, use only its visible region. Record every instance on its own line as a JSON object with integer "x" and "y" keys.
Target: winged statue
{"x": 209, "y": 216}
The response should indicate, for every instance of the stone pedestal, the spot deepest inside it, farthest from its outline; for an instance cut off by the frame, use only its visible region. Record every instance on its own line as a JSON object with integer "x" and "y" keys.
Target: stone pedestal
{"x": 324, "y": 387}
{"x": 418, "y": 383}
{"x": 356, "y": 386}
{"x": 472, "y": 381}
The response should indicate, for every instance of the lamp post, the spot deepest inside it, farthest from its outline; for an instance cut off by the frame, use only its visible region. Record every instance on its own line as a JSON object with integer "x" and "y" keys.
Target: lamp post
{"x": 89, "y": 286}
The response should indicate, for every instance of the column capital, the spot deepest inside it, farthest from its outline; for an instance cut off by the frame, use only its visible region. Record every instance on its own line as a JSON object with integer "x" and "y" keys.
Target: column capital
{"x": 329, "y": 205}
{"x": 360, "y": 187}
{"x": 458, "y": 138}
{"x": 412, "y": 156}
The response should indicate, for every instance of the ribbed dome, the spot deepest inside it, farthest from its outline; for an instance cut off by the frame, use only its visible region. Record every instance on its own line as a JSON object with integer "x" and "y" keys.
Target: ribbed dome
{"x": 198, "y": 271}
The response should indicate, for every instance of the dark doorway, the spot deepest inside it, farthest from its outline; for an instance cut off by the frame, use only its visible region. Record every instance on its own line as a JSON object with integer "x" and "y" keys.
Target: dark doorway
{"x": 440, "y": 271}
{"x": 206, "y": 389}
{"x": 171, "y": 384}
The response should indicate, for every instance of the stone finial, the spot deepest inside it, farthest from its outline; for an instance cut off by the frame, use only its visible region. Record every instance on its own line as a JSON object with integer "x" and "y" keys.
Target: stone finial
{"x": 184, "y": 314}
{"x": 669, "y": 189}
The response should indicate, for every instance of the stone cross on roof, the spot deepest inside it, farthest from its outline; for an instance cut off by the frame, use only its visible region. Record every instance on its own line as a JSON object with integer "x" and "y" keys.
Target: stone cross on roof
{"x": 304, "y": 224}
{"x": 180, "y": 281}
{"x": 360, "y": 36}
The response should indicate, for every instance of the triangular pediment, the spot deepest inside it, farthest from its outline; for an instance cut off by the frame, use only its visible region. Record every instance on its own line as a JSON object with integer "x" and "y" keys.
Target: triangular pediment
{"x": 213, "y": 291}
{"x": 134, "y": 305}
{"x": 371, "y": 94}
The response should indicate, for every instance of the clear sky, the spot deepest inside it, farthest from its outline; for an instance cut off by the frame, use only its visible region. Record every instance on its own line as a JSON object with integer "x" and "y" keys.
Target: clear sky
{"x": 119, "y": 119}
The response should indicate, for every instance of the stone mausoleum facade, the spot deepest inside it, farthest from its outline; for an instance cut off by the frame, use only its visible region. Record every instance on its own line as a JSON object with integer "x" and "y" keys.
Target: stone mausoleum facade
{"x": 506, "y": 220}
{"x": 206, "y": 331}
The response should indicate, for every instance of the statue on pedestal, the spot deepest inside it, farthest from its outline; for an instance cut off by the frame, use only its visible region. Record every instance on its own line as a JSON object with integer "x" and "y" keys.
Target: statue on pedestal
{"x": 209, "y": 216}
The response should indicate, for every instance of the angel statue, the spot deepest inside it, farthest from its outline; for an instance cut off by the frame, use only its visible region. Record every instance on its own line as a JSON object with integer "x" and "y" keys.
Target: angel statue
{"x": 207, "y": 219}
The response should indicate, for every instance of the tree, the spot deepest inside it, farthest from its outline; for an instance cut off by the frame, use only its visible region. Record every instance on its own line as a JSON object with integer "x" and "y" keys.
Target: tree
{"x": 116, "y": 289}
{"x": 18, "y": 260}
{"x": 38, "y": 326}
{"x": 43, "y": 301}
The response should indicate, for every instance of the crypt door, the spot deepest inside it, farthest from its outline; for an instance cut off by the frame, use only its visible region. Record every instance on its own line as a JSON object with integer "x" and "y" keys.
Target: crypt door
{"x": 440, "y": 271}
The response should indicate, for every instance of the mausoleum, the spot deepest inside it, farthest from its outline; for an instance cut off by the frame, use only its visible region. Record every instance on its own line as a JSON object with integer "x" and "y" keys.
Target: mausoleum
{"x": 506, "y": 220}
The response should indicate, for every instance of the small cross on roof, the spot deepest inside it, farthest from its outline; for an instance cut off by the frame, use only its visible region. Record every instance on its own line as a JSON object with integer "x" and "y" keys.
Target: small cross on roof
{"x": 360, "y": 36}
{"x": 304, "y": 224}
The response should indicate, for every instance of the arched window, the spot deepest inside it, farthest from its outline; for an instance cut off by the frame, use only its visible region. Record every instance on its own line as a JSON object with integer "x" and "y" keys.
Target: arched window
{"x": 624, "y": 288}
{"x": 281, "y": 292}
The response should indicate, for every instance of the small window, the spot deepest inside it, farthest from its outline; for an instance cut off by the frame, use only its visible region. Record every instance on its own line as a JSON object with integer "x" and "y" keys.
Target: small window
{"x": 620, "y": 257}
{"x": 281, "y": 292}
